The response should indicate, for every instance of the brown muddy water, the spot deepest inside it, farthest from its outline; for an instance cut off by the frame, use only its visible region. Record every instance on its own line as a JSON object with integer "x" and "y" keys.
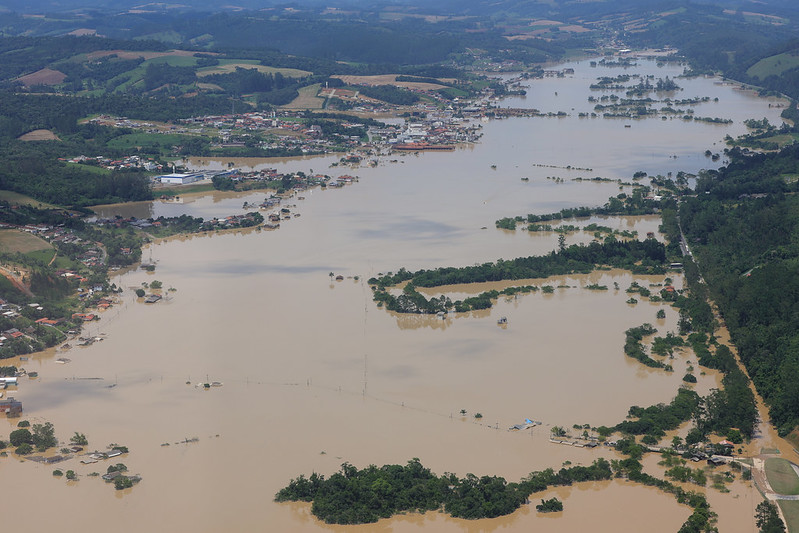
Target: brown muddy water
{"x": 314, "y": 374}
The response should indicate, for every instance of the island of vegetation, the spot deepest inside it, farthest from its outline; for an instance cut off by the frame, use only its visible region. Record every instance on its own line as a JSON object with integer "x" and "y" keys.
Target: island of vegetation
{"x": 353, "y": 496}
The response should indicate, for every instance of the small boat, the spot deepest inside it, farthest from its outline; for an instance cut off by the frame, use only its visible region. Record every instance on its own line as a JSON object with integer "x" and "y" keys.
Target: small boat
{"x": 502, "y": 321}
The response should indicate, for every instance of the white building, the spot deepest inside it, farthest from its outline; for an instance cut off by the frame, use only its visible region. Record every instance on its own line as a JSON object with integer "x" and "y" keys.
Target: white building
{"x": 181, "y": 179}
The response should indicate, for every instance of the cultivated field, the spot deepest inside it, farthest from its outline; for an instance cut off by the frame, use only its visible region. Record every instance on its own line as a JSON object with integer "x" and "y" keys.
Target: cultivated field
{"x": 20, "y": 199}
{"x": 39, "y": 135}
{"x": 226, "y": 67}
{"x": 307, "y": 99}
{"x": 388, "y": 79}
{"x": 12, "y": 240}
{"x": 46, "y": 76}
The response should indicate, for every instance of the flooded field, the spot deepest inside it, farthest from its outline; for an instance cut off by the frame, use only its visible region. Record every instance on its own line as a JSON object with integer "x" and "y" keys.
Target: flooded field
{"x": 314, "y": 374}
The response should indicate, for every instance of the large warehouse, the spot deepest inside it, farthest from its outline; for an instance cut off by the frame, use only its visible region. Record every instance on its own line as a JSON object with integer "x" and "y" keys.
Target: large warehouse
{"x": 181, "y": 179}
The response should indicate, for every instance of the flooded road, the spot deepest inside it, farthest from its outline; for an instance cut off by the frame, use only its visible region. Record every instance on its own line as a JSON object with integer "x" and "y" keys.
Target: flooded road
{"x": 314, "y": 374}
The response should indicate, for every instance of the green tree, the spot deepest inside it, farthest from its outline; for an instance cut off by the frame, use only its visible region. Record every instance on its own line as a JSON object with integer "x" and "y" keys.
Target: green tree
{"x": 79, "y": 439}
{"x": 767, "y": 518}
{"x": 140, "y": 293}
{"x": 24, "y": 449}
{"x": 20, "y": 436}
{"x": 122, "y": 482}
{"x": 44, "y": 436}
{"x": 549, "y": 506}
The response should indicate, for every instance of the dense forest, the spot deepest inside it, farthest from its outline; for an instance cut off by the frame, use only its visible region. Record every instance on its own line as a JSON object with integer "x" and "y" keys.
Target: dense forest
{"x": 742, "y": 227}
{"x": 353, "y": 496}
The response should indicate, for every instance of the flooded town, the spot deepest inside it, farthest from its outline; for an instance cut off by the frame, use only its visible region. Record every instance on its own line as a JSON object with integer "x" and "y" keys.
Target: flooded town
{"x": 264, "y": 355}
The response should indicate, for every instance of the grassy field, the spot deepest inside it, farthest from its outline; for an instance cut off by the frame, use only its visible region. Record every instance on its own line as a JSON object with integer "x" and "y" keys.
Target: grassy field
{"x": 12, "y": 240}
{"x": 790, "y": 509}
{"x": 307, "y": 99}
{"x": 226, "y": 66}
{"x": 45, "y": 256}
{"x": 781, "y": 476}
{"x": 783, "y": 139}
{"x": 60, "y": 262}
{"x": 102, "y": 171}
{"x": 174, "y": 61}
{"x": 773, "y": 65}
{"x": 136, "y": 76}
{"x": 179, "y": 191}
{"x": 164, "y": 142}
{"x": 20, "y": 199}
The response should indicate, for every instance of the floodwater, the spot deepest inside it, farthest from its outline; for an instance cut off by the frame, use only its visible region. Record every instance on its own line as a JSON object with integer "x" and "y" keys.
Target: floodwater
{"x": 314, "y": 374}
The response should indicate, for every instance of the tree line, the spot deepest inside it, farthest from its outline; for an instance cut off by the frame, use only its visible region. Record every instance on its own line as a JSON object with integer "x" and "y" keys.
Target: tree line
{"x": 646, "y": 256}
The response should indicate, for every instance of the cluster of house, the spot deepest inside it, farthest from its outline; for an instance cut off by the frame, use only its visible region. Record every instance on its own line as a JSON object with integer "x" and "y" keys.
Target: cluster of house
{"x": 121, "y": 222}
{"x": 91, "y": 256}
{"x": 286, "y": 131}
{"x": 119, "y": 122}
{"x": 438, "y": 129}
{"x": 129, "y": 162}
{"x": 233, "y": 221}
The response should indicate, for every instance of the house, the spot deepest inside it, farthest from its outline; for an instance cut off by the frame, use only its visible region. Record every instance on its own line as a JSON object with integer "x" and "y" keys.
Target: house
{"x": 10, "y": 406}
